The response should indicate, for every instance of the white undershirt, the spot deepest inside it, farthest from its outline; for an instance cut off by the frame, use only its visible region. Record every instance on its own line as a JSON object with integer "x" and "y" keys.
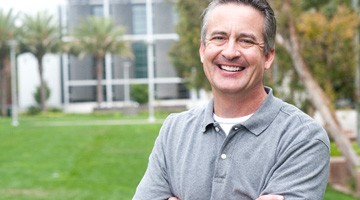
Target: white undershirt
{"x": 227, "y": 123}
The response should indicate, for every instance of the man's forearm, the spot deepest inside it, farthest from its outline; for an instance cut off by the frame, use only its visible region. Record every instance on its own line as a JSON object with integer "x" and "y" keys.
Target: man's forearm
{"x": 264, "y": 197}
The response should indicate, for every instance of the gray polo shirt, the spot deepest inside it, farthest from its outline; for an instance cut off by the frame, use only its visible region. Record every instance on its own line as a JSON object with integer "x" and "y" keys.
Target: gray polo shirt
{"x": 279, "y": 150}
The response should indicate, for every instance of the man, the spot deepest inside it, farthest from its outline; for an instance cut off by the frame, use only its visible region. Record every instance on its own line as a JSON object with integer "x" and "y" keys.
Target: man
{"x": 246, "y": 143}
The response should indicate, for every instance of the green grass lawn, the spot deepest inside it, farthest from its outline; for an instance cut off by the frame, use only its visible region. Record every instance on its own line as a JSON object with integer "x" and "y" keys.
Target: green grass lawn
{"x": 40, "y": 161}
{"x": 72, "y": 162}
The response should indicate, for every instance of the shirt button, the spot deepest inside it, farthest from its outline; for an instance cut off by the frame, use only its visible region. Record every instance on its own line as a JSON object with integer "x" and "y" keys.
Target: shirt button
{"x": 236, "y": 128}
{"x": 223, "y": 156}
{"x": 217, "y": 129}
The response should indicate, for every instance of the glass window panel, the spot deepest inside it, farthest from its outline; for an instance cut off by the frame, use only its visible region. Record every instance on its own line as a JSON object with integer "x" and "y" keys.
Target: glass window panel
{"x": 139, "y": 19}
{"x": 140, "y": 65}
{"x": 97, "y": 10}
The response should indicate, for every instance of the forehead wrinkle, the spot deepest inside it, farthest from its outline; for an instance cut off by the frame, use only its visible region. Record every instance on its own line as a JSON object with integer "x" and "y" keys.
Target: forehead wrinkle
{"x": 240, "y": 35}
{"x": 241, "y": 20}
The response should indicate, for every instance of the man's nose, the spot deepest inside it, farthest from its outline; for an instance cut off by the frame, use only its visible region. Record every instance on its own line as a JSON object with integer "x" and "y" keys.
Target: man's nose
{"x": 231, "y": 50}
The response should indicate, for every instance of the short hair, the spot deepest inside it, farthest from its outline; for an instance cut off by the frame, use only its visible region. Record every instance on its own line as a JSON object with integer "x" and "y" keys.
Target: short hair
{"x": 269, "y": 31}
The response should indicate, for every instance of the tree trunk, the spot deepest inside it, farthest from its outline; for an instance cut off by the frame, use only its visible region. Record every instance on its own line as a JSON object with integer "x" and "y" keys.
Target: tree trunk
{"x": 42, "y": 85}
{"x": 99, "y": 76}
{"x": 316, "y": 95}
{"x": 4, "y": 74}
{"x": 3, "y": 92}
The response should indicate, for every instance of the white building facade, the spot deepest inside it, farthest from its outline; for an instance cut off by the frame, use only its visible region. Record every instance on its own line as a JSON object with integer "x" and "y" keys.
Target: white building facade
{"x": 150, "y": 28}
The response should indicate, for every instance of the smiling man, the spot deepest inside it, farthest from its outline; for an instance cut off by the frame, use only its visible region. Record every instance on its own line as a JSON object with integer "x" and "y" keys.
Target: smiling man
{"x": 245, "y": 143}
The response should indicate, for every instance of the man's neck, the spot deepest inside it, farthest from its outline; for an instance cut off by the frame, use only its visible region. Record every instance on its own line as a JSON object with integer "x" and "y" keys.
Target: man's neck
{"x": 238, "y": 105}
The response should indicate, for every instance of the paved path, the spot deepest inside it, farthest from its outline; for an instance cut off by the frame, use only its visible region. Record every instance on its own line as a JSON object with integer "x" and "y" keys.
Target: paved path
{"x": 97, "y": 122}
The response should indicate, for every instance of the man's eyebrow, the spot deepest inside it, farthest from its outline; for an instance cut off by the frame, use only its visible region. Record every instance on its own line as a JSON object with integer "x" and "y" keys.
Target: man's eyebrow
{"x": 241, "y": 35}
{"x": 247, "y": 35}
{"x": 218, "y": 33}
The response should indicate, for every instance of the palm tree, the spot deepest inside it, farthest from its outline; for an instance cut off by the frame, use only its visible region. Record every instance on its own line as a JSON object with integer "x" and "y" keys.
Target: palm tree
{"x": 7, "y": 33}
{"x": 40, "y": 36}
{"x": 98, "y": 36}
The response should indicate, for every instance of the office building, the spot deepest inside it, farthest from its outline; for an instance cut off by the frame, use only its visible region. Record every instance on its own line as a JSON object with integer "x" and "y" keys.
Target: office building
{"x": 150, "y": 27}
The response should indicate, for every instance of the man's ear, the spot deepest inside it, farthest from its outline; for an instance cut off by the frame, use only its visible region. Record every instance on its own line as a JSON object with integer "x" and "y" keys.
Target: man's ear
{"x": 269, "y": 58}
{"x": 201, "y": 52}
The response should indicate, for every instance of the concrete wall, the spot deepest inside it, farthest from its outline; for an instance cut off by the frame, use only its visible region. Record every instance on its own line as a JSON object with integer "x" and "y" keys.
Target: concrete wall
{"x": 28, "y": 79}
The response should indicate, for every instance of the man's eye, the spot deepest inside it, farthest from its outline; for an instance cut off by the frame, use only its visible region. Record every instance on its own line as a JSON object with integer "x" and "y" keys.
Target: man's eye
{"x": 247, "y": 42}
{"x": 218, "y": 38}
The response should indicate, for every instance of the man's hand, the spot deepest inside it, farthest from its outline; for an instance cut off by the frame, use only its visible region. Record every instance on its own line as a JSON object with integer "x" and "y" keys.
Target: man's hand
{"x": 268, "y": 197}
{"x": 173, "y": 198}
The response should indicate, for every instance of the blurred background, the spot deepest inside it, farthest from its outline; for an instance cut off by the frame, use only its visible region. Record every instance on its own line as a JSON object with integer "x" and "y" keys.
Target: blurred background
{"x": 113, "y": 67}
{"x": 72, "y": 80}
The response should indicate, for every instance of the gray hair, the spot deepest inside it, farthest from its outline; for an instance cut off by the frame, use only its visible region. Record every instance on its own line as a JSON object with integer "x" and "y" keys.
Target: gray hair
{"x": 260, "y": 5}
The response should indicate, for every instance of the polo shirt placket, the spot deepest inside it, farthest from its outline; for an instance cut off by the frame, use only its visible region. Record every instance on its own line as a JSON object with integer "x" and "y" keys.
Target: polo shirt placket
{"x": 224, "y": 157}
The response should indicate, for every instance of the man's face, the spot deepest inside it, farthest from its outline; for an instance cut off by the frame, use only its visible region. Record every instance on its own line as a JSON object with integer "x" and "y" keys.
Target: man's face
{"x": 233, "y": 54}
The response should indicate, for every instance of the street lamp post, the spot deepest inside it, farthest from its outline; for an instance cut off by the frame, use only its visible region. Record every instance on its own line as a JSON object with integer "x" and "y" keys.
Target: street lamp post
{"x": 14, "y": 112}
{"x": 127, "y": 65}
{"x": 108, "y": 61}
{"x": 150, "y": 56}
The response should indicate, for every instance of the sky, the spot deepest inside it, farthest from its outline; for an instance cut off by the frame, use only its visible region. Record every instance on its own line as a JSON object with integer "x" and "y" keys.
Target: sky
{"x": 32, "y": 6}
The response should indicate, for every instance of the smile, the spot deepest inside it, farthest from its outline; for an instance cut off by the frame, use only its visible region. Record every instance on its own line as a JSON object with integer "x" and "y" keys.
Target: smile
{"x": 231, "y": 69}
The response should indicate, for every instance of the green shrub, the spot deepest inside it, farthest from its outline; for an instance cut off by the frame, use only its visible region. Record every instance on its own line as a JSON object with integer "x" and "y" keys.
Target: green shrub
{"x": 33, "y": 110}
{"x": 139, "y": 93}
{"x": 37, "y": 93}
{"x": 335, "y": 151}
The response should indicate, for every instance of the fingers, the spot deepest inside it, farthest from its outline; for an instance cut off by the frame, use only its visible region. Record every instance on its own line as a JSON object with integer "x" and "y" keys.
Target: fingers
{"x": 270, "y": 197}
{"x": 173, "y": 198}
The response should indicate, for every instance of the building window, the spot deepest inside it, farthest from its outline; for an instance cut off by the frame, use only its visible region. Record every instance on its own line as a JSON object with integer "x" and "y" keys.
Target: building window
{"x": 82, "y": 94}
{"x": 139, "y": 19}
{"x": 140, "y": 51}
{"x": 97, "y": 10}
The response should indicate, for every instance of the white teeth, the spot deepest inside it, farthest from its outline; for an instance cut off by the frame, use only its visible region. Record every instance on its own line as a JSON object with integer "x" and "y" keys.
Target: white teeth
{"x": 231, "y": 69}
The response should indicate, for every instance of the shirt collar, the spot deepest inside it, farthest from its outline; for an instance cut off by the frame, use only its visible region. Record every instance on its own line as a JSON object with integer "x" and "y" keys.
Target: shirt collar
{"x": 265, "y": 115}
{"x": 208, "y": 116}
{"x": 261, "y": 119}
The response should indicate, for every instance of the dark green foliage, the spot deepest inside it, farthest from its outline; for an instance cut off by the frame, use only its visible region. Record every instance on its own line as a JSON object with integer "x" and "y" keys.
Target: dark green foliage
{"x": 33, "y": 110}
{"x": 37, "y": 93}
{"x": 139, "y": 93}
{"x": 185, "y": 53}
{"x": 327, "y": 46}
{"x": 326, "y": 31}
{"x": 326, "y": 6}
